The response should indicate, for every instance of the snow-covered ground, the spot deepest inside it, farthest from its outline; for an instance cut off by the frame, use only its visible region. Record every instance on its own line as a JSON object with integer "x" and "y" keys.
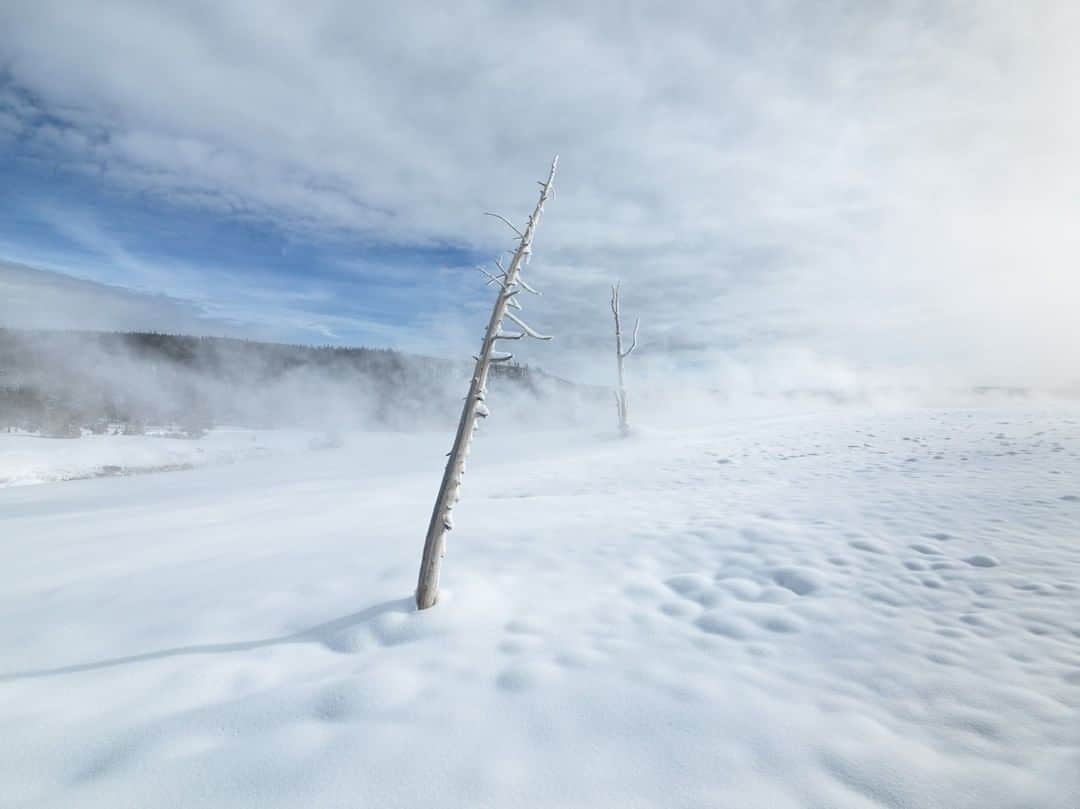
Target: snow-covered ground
{"x": 27, "y": 459}
{"x": 846, "y": 610}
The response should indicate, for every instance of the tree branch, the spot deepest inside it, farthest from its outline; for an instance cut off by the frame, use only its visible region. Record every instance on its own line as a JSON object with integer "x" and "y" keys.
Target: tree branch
{"x": 507, "y": 222}
{"x": 529, "y": 330}
{"x": 633, "y": 340}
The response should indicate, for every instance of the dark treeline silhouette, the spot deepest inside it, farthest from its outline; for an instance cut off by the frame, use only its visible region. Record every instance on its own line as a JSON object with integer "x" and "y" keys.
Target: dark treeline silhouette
{"x": 62, "y": 382}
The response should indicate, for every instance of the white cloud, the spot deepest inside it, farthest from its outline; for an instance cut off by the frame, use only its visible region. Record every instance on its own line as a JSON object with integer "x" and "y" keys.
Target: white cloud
{"x": 36, "y": 299}
{"x": 885, "y": 185}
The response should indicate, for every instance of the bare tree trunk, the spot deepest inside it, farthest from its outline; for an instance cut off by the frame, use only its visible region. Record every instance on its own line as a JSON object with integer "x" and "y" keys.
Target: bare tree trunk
{"x": 620, "y": 391}
{"x": 510, "y": 284}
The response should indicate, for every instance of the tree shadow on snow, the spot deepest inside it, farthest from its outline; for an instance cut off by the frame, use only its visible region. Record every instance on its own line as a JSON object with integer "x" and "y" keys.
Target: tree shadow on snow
{"x": 321, "y": 633}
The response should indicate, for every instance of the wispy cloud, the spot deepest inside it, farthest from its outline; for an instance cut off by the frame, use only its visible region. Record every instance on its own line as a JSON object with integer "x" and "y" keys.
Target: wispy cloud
{"x": 879, "y": 185}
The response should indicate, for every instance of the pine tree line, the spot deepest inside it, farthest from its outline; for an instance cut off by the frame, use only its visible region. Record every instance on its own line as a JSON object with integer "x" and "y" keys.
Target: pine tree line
{"x": 60, "y": 383}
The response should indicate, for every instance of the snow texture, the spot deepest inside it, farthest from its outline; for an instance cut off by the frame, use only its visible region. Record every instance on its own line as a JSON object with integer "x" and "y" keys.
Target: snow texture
{"x": 26, "y": 459}
{"x": 851, "y": 610}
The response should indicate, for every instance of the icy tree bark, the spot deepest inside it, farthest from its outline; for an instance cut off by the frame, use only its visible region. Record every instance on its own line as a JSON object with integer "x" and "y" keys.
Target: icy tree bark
{"x": 510, "y": 283}
{"x": 620, "y": 355}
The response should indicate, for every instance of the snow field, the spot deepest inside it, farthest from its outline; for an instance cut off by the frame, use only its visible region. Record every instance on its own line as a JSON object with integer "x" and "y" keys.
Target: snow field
{"x": 841, "y": 610}
{"x": 31, "y": 459}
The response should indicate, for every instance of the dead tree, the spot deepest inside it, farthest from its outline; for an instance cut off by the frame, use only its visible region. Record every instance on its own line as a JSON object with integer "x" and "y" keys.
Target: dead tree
{"x": 620, "y": 392}
{"x": 510, "y": 283}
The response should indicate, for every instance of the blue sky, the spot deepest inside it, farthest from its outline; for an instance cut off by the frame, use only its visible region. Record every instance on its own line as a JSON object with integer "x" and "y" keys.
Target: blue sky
{"x": 842, "y": 190}
{"x": 242, "y": 273}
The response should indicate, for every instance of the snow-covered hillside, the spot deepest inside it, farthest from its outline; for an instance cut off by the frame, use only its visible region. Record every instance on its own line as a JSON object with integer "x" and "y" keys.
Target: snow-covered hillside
{"x": 849, "y": 610}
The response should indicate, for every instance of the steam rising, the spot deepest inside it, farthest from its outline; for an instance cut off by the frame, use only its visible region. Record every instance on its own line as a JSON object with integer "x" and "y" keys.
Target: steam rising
{"x": 62, "y": 382}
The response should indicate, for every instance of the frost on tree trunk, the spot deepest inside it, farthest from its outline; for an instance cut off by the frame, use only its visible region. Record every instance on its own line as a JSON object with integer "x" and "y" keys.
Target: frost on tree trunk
{"x": 620, "y": 355}
{"x": 509, "y": 283}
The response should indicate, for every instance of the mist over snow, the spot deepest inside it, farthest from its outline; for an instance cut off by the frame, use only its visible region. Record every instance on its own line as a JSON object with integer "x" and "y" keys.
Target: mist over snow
{"x": 64, "y": 383}
{"x": 880, "y": 192}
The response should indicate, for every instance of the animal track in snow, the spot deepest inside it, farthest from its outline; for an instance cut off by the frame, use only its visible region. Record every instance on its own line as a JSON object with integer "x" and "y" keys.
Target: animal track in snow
{"x": 799, "y": 580}
{"x": 866, "y": 546}
{"x": 922, "y": 547}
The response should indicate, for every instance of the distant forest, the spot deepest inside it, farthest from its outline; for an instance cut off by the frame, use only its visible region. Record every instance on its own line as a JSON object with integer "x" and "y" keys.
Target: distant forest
{"x": 60, "y": 383}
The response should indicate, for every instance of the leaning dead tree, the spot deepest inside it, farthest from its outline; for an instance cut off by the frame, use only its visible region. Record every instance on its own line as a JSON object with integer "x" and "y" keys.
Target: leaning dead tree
{"x": 510, "y": 283}
{"x": 620, "y": 392}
